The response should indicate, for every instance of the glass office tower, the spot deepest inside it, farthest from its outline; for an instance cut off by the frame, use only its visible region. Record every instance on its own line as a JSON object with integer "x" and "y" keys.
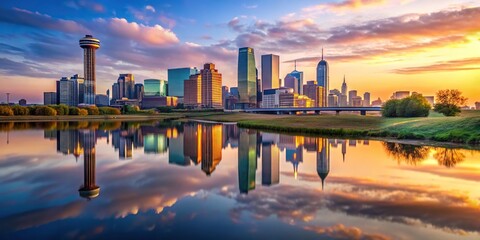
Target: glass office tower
{"x": 176, "y": 78}
{"x": 247, "y": 79}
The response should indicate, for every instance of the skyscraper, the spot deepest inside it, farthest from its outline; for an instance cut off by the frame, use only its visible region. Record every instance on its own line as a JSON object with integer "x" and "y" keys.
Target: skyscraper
{"x": 366, "y": 99}
{"x": 323, "y": 78}
{"x": 351, "y": 95}
{"x": 211, "y": 86}
{"x": 176, "y": 78}
{"x": 314, "y": 92}
{"x": 270, "y": 71}
{"x": 192, "y": 86}
{"x": 344, "y": 86}
{"x": 126, "y": 83}
{"x": 154, "y": 88}
{"x": 298, "y": 80}
{"x": 247, "y": 81}
{"x": 68, "y": 91}
{"x": 323, "y": 159}
{"x": 89, "y": 45}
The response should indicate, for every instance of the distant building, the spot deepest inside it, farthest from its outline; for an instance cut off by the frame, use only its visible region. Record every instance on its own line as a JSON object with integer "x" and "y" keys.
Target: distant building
{"x": 225, "y": 94}
{"x": 192, "y": 86}
{"x": 400, "y": 94}
{"x": 314, "y": 92}
{"x": 259, "y": 89}
{"x": 343, "y": 100}
{"x": 126, "y": 85}
{"x": 139, "y": 91}
{"x": 299, "y": 79}
{"x": 154, "y": 88}
{"x": 351, "y": 95}
{"x": 332, "y": 100}
{"x": 270, "y": 71}
{"x": 159, "y": 101}
{"x": 366, "y": 99}
{"x": 234, "y": 92}
{"x": 431, "y": 100}
{"x": 357, "y": 101}
{"x": 22, "y": 102}
{"x": 285, "y": 97}
{"x": 81, "y": 88}
{"x": 176, "y": 78}
{"x": 68, "y": 91}
{"x": 377, "y": 103}
{"x": 344, "y": 86}
{"x": 247, "y": 81}
{"x": 323, "y": 79}
{"x": 101, "y": 100}
{"x": 477, "y": 105}
{"x": 49, "y": 98}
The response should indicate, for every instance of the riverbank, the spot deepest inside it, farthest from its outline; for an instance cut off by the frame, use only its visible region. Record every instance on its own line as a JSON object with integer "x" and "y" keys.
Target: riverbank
{"x": 464, "y": 129}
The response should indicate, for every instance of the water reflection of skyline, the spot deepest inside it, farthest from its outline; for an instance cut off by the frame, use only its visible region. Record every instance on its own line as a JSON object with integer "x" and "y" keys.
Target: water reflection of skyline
{"x": 163, "y": 179}
{"x": 201, "y": 144}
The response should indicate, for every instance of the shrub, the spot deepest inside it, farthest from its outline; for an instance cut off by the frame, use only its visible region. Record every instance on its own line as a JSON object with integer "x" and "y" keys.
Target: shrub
{"x": 61, "y": 109}
{"x": 73, "y": 110}
{"x": 165, "y": 109}
{"x": 92, "y": 110}
{"x": 127, "y": 109}
{"x": 413, "y": 106}
{"x": 109, "y": 111}
{"x": 6, "y": 111}
{"x": 390, "y": 108}
{"x": 45, "y": 111}
{"x": 31, "y": 110}
{"x": 447, "y": 109}
{"x": 82, "y": 112}
{"x": 20, "y": 110}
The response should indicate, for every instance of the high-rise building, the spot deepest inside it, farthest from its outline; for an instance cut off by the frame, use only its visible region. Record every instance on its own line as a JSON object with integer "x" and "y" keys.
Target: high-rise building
{"x": 344, "y": 86}
{"x": 234, "y": 91}
{"x": 192, "y": 86}
{"x": 89, "y": 45}
{"x": 314, "y": 92}
{"x": 49, "y": 98}
{"x": 176, "y": 78}
{"x": 101, "y": 100}
{"x": 138, "y": 91}
{"x": 357, "y": 101}
{"x": 351, "y": 95}
{"x": 259, "y": 89}
{"x": 366, "y": 99}
{"x": 81, "y": 87}
{"x": 225, "y": 94}
{"x": 400, "y": 94}
{"x": 323, "y": 79}
{"x": 477, "y": 105}
{"x": 247, "y": 80}
{"x": 126, "y": 84}
{"x": 211, "y": 86}
{"x": 332, "y": 100}
{"x": 270, "y": 71}
{"x": 68, "y": 89}
{"x": 343, "y": 100}
{"x": 296, "y": 76}
{"x": 154, "y": 88}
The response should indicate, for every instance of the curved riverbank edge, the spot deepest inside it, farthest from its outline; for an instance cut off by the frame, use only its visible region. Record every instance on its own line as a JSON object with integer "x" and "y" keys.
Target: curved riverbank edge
{"x": 90, "y": 118}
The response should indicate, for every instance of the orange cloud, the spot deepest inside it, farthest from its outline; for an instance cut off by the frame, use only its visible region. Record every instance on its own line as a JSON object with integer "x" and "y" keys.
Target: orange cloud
{"x": 454, "y": 65}
{"x": 340, "y": 231}
{"x": 345, "y": 5}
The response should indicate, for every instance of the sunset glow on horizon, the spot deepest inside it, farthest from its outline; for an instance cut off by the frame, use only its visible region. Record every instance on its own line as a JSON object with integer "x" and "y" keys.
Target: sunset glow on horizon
{"x": 381, "y": 46}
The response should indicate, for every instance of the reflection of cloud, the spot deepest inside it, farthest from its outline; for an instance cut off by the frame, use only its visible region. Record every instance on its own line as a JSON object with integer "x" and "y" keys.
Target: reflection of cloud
{"x": 339, "y": 231}
{"x": 40, "y": 217}
{"x": 466, "y": 173}
{"x": 409, "y": 204}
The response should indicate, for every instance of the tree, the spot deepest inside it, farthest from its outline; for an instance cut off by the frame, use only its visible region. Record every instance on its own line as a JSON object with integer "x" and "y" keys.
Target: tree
{"x": 449, "y": 102}
{"x": 413, "y": 106}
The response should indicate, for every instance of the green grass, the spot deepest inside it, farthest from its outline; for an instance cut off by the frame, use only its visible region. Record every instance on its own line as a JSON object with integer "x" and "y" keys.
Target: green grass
{"x": 436, "y": 127}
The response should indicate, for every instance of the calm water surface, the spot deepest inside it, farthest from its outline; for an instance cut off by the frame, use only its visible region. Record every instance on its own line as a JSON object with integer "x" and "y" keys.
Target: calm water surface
{"x": 192, "y": 180}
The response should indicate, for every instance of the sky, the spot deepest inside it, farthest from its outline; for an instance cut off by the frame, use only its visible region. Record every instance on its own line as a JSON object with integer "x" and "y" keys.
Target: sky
{"x": 381, "y": 46}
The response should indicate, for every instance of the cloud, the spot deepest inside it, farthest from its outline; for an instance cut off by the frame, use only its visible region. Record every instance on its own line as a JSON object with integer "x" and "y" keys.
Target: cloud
{"x": 340, "y": 231}
{"x": 152, "y": 35}
{"x": 453, "y": 65}
{"x": 345, "y": 5}
{"x": 86, "y": 4}
{"x": 25, "y": 68}
{"x": 169, "y": 22}
{"x": 235, "y": 24}
{"x": 254, "y": 6}
{"x": 150, "y": 8}
{"x": 37, "y": 20}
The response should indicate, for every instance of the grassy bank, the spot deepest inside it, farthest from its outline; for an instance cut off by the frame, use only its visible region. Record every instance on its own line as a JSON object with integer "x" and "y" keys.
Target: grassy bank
{"x": 462, "y": 129}
{"x": 132, "y": 117}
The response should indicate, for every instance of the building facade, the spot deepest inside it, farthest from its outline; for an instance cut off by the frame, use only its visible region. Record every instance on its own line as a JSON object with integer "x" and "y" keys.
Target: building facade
{"x": 68, "y": 89}
{"x": 154, "y": 88}
{"x": 176, "y": 78}
{"x": 270, "y": 71}
{"x": 314, "y": 92}
{"x": 323, "y": 79}
{"x": 49, "y": 98}
{"x": 247, "y": 79}
{"x": 211, "y": 87}
{"x": 89, "y": 45}
{"x": 192, "y": 89}
{"x": 366, "y": 99}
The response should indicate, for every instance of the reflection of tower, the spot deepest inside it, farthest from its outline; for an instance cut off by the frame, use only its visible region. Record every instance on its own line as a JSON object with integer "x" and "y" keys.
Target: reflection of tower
{"x": 193, "y": 140}
{"x": 89, "y": 45}
{"x": 270, "y": 164}
{"x": 175, "y": 150}
{"x": 344, "y": 148}
{"x": 323, "y": 159}
{"x": 211, "y": 144}
{"x": 89, "y": 189}
{"x": 247, "y": 160}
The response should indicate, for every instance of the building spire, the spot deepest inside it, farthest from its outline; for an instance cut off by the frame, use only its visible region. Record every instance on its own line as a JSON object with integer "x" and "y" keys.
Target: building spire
{"x": 295, "y": 65}
{"x": 322, "y": 53}
{"x": 343, "y": 78}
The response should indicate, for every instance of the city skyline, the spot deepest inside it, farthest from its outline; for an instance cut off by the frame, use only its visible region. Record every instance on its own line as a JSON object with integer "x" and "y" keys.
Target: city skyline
{"x": 428, "y": 51}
